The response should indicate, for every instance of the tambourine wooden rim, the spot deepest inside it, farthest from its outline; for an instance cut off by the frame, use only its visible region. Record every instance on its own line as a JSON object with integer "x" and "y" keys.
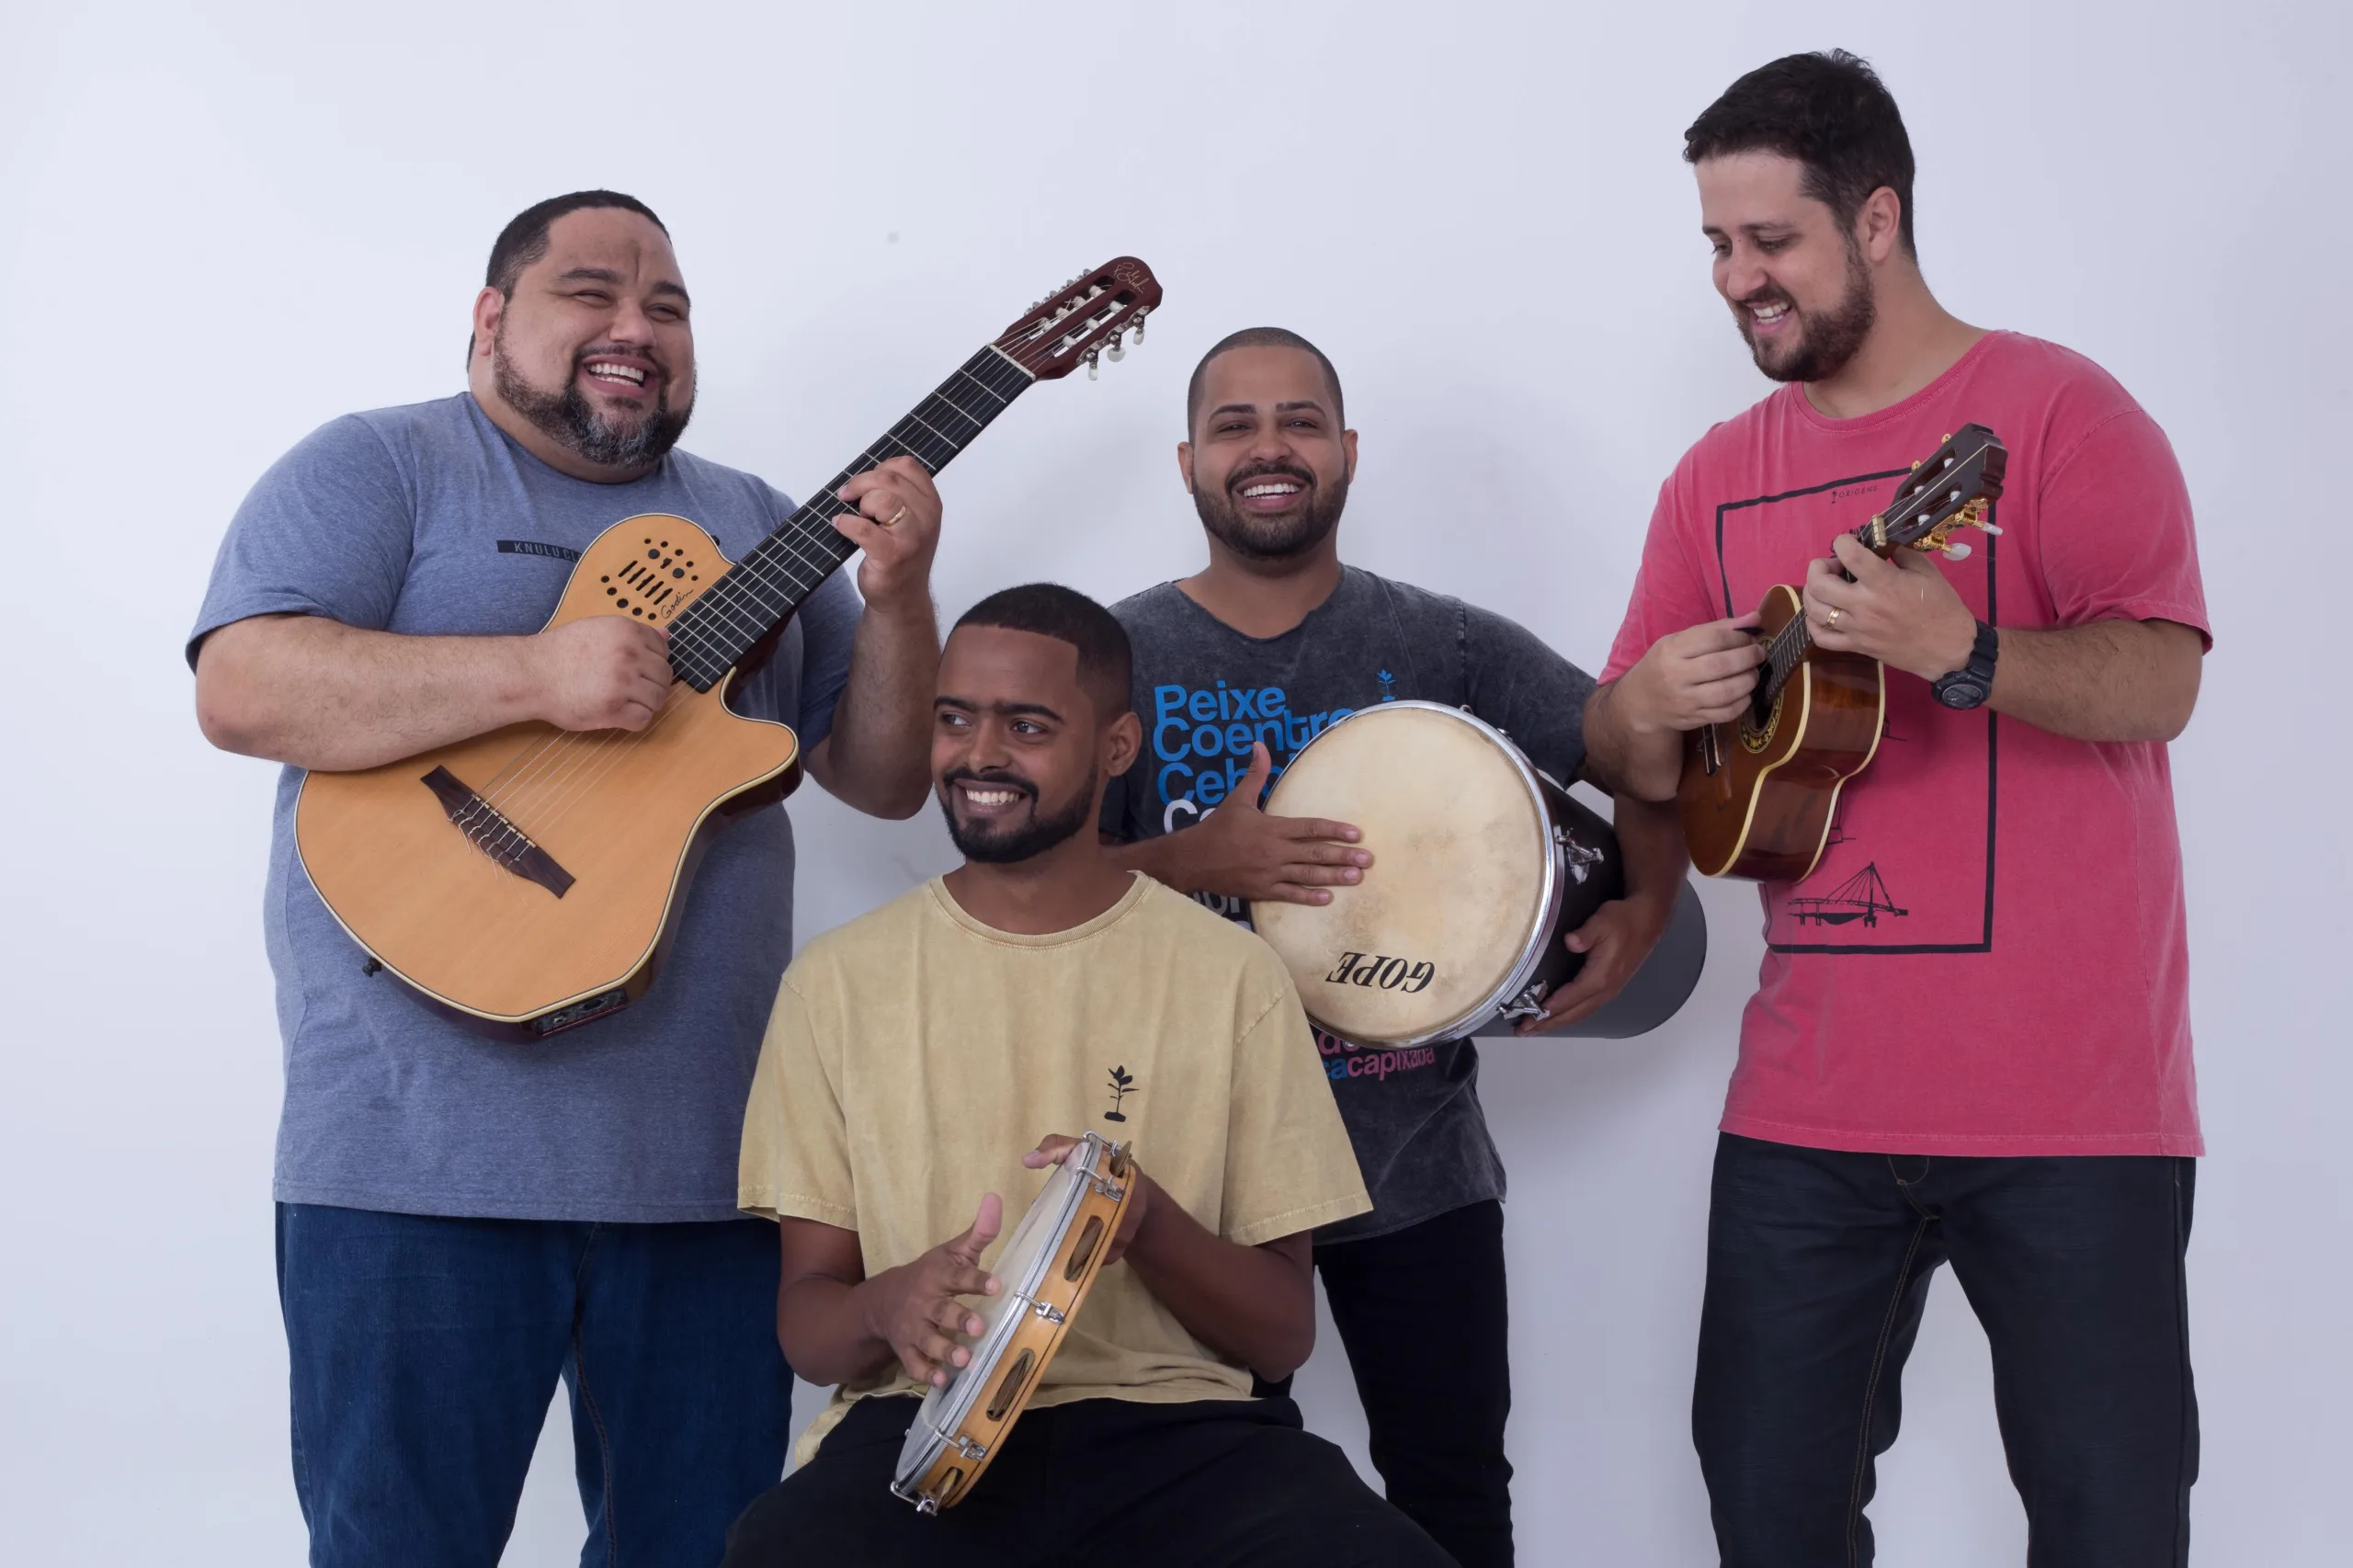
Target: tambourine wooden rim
{"x": 967, "y": 1422}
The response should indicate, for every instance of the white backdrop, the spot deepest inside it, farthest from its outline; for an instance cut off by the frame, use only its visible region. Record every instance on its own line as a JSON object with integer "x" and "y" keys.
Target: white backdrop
{"x": 217, "y": 235}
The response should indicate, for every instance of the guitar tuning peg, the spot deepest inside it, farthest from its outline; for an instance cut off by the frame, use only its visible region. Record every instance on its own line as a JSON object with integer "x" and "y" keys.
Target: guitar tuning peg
{"x": 1957, "y": 553}
{"x": 1984, "y": 527}
{"x": 1094, "y": 364}
{"x": 1140, "y": 315}
{"x": 1118, "y": 350}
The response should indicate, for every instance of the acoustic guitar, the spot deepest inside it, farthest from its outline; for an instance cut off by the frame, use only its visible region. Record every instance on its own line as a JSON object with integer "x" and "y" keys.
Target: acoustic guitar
{"x": 530, "y": 880}
{"x": 1758, "y": 792}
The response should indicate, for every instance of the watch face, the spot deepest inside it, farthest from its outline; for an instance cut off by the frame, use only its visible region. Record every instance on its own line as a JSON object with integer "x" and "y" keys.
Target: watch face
{"x": 1961, "y": 694}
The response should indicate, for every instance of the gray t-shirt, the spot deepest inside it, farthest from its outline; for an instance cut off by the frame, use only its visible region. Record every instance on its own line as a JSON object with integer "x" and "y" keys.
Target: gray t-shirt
{"x": 429, "y": 520}
{"x": 1206, "y": 692}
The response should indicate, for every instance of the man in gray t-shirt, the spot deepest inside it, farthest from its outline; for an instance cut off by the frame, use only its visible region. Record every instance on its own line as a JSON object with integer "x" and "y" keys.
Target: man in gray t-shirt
{"x": 460, "y": 1220}
{"x": 1272, "y": 641}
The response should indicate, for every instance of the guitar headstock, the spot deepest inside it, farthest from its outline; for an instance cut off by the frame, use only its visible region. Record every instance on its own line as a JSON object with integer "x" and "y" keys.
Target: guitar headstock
{"x": 1084, "y": 321}
{"x": 1949, "y": 489}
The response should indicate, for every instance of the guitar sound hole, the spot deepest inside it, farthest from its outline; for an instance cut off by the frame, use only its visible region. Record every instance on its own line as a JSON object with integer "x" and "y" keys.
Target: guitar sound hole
{"x": 1016, "y": 1378}
{"x": 1085, "y": 1251}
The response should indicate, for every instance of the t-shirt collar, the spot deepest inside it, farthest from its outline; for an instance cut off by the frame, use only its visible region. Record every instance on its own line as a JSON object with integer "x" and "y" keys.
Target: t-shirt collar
{"x": 1138, "y": 888}
{"x": 1863, "y": 422}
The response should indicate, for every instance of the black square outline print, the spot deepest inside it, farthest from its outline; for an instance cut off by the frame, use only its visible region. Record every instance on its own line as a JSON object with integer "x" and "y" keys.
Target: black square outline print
{"x": 1992, "y": 727}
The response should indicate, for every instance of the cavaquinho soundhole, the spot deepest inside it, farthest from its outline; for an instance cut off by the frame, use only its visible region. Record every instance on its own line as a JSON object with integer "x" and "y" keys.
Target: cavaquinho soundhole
{"x": 1756, "y": 733}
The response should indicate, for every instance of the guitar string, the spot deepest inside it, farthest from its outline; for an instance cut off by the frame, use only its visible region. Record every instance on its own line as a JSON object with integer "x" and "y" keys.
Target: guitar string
{"x": 562, "y": 758}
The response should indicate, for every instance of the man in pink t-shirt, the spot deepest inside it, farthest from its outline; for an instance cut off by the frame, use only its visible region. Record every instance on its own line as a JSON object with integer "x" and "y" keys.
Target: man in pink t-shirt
{"x": 1969, "y": 1038}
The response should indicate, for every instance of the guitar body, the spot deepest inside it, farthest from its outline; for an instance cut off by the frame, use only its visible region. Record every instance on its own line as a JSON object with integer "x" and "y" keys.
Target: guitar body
{"x": 1757, "y": 794}
{"x": 445, "y": 867}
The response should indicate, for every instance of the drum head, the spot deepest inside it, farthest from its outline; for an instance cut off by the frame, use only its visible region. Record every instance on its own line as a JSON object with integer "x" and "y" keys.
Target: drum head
{"x": 1462, "y": 850}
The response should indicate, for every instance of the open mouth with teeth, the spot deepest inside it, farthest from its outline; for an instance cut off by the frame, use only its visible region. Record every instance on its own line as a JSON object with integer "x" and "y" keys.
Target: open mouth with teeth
{"x": 988, "y": 797}
{"x": 612, "y": 374}
{"x": 1769, "y": 317}
{"x": 1268, "y": 492}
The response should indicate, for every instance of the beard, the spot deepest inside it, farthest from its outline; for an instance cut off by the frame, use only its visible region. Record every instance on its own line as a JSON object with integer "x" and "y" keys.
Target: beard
{"x": 1272, "y": 539}
{"x": 569, "y": 419}
{"x": 1011, "y": 843}
{"x": 1826, "y": 342}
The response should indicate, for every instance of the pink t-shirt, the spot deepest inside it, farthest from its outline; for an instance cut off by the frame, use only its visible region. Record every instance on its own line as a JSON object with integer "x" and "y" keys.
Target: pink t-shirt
{"x": 1990, "y": 958}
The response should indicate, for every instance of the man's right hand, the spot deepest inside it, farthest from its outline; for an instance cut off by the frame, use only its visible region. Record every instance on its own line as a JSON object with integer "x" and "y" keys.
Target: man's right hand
{"x": 1240, "y": 851}
{"x": 602, "y": 672}
{"x": 915, "y": 1309}
{"x": 1699, "y": 676}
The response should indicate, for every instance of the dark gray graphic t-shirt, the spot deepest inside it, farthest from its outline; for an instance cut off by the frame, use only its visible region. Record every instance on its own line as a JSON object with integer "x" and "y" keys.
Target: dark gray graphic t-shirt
{"x": 1206, "y": 693}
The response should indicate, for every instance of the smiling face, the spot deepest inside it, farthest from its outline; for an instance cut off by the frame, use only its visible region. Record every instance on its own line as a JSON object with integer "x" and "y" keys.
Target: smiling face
{"x": 1268, "y": 464}
{"x": 593, "y": 349}
{"x": 1019, "y": 749}
{"x": 1800, "y": 284}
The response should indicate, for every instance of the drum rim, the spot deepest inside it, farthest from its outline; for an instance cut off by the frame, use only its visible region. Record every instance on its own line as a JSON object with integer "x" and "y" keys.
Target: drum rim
{"x": 936, "y": 1430}
{"x": 1531, "y": 952}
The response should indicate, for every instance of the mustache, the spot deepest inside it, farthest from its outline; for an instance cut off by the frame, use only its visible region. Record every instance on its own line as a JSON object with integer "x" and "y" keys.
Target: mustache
{"x": 1270, "y": 471}
{"x": 994, "y": 780}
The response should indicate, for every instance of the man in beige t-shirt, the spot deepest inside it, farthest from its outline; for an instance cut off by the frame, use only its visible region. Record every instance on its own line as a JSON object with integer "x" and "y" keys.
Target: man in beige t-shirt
{"x": 926, "y": 1063}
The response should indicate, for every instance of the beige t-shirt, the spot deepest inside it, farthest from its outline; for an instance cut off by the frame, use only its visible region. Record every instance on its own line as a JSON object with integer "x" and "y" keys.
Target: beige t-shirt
{"x": 915, "y": 1055}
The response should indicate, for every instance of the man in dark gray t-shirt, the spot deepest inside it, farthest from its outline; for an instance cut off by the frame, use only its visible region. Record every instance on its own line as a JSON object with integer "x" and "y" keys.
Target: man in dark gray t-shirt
{"x": 1235, "y": 670}
{"x": 463, "y": 1220}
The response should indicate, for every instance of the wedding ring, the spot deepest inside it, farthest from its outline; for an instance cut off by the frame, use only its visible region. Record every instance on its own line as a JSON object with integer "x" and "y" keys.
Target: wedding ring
{"x": 894, "y": 517}
{"x": 1832, "y": 623}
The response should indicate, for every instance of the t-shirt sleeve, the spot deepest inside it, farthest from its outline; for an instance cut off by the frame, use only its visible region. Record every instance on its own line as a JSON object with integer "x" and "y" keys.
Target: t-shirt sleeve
{"x": 1288, "y": 1165}
{"x": 2115, "y": 534}
{"x": 795, "y": 1154}
{"x": 1520, "y": 686}
{"x": 1672, "y": 591}
{"x": 327, "y": 530}
{"x": 829, "y": 620}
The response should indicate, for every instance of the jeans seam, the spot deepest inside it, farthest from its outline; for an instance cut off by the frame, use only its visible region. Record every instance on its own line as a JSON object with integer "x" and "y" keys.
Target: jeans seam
{"x": 596, "y": 1416}
{"x": 2181, "y": 1343}
{"x": 1870, "y": 1390}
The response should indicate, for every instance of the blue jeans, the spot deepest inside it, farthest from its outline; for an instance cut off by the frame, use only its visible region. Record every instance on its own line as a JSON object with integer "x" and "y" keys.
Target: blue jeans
{"x": 1818, "y": 1268}
{"x": 425, "y": 1350}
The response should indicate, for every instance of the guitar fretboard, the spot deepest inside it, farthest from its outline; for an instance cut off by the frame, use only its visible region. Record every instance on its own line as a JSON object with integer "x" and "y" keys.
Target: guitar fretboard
{"x": 756, "y": 594}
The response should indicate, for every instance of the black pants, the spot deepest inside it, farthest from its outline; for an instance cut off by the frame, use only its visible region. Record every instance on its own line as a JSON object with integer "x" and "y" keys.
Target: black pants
{"x": 1422, "y": 1315}
{"x": 1818, "y": 1268}
{"x": 1223, "y": 1484}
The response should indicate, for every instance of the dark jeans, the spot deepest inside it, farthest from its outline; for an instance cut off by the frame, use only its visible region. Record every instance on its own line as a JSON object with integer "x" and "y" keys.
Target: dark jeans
{"x": 1423, "y": 1316}
{"x": 424, "y": 1351}
{"x": 1818, "y": 1268}
{"x": 1215, "y": 1483}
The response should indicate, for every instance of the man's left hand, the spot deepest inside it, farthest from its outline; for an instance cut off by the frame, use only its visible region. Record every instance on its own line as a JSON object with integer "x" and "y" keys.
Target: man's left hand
{"x": 1615, "y": 941}
{"x": 896, "y": 522}
{"x": 1900, "y": 612}
{"x": 1051, "y": 1150}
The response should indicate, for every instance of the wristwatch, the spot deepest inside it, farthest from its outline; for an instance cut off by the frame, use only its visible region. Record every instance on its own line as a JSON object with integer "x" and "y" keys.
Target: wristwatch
{"x": 1969, "y": 686}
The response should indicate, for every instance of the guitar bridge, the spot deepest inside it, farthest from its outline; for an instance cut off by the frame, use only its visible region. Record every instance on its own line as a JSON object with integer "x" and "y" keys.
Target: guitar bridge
{"x": 1712, "y": 750}
{"x": 488, "y": 830}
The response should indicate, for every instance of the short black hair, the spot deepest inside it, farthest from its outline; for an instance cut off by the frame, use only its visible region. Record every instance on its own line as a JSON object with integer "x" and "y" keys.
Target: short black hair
{"x": 1106, "y": 660}
{"x": 1259, "y": 337}
{"x": 1829, "y": 111}
{"x": 524, "y": 238}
